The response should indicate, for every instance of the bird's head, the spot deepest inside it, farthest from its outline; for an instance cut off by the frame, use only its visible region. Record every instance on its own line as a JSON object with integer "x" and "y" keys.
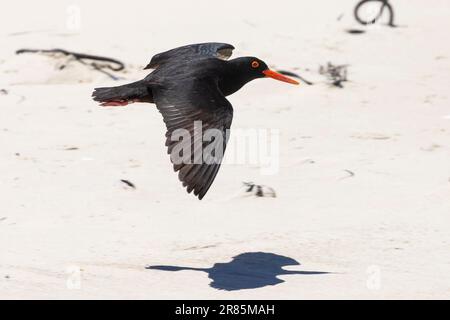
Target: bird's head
{"x": 255, "y": 68}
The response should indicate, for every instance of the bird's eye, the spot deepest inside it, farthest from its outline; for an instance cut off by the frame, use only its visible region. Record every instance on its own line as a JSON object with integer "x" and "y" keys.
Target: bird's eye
{"x": 255, "y": 64}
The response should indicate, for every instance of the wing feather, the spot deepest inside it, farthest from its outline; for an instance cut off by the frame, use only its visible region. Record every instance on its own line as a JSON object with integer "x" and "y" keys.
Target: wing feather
{"x": 190, "y": 52}
{"x": 181, "y": 104}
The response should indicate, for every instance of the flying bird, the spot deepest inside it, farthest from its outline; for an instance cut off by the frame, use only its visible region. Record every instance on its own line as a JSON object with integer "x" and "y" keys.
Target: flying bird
{"x": 189, "y": 85}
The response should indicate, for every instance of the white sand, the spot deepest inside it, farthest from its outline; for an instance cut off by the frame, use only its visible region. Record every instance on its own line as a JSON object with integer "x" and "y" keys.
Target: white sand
{"x": 384, "y": 233}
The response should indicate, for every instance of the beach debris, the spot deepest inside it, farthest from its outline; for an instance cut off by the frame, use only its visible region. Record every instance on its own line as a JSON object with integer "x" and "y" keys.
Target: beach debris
{"x": 128, "y": 183}
{"x": 98, "y": 63}
{"x": 2, "y": 219}
{"x": 369, "y": 12}
{"x": 295, "y": 75}
{"x": 355, "y": 31}
{"x": 336, "y": 74}
{"x": 350, "y": 174}
{"x": 71, "y": 148}
{"x": 3, "y": 92}
{"x": 259, "y": 190}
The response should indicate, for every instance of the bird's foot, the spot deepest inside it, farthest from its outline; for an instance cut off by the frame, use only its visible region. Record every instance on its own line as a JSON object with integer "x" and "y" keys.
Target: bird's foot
{"x": 118, "y": 103}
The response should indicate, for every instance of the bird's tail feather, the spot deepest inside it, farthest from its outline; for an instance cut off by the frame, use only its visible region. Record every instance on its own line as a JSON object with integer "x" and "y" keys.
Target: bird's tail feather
{"x": 123, "y": 95}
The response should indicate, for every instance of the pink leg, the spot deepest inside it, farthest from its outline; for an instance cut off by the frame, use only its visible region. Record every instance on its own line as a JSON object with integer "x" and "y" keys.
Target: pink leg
{"x": 118, "y": 103}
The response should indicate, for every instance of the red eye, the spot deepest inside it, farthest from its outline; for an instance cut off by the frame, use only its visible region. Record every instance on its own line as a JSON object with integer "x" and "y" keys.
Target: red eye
{"x": 255, "y": 64}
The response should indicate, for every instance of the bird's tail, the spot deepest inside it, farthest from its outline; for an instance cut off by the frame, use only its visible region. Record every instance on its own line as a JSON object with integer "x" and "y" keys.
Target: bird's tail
{"x": 123, "y": 95}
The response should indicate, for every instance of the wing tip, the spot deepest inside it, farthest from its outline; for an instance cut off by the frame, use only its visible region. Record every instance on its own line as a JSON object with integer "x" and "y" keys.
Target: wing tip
{"x": 150, "y": 66}
{"x": 199, "y": 194}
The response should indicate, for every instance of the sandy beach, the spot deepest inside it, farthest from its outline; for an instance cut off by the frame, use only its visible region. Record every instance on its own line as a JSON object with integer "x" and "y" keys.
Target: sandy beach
{"x": 362, "y": 181}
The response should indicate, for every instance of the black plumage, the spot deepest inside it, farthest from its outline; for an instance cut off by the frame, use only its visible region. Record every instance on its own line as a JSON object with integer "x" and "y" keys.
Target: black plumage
{"x": 190, "y": 84}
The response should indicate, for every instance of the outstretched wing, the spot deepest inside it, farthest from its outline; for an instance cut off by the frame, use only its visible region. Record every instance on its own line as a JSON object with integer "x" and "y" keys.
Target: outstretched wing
{"x": 197, "y": 117}
{"x": 209, "y": 49}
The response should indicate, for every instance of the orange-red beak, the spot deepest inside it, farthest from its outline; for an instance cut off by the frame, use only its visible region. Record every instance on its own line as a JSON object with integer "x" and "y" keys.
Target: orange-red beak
{"x": 278, "y": 76}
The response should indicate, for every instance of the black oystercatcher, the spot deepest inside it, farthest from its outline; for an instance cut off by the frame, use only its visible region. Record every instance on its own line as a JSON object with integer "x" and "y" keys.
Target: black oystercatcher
{"x": 189, "y": 86}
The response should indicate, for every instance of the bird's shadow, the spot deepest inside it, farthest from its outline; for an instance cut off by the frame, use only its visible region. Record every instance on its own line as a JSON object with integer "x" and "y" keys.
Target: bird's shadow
{"x": 248, "y": 270}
